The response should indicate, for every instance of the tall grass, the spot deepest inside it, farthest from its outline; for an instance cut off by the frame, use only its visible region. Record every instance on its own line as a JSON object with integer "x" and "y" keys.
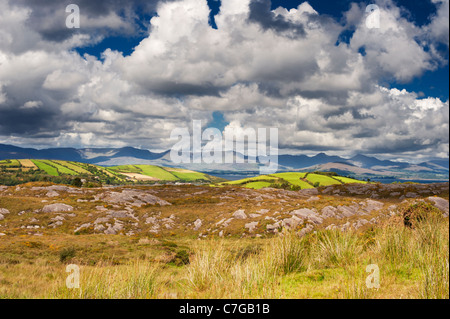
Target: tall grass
{"x": 134, "y": 281}
{"x": 396, "y": 244}
{"x": 424, "y": 247}
{"x": 433, "y": 240}
{"x": 413, "y": 263}
{"x": 435, "y": 284}
{"x": 215, "y": 272}
{"x": 208, "y": 265}
{"x": 336, "y": 248}
{"x": 290, "y": 253}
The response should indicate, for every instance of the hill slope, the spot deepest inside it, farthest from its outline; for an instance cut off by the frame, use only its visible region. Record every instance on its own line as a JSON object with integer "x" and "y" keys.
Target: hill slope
{"x": 293, "y": 181}
{"x": 20, "y": 171}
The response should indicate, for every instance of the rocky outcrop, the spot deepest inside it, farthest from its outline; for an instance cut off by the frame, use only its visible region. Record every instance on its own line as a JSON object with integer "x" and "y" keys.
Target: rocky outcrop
{"x": 251, "y": 226}
{"x": 226, "y": 212}
{"x": 56, "y": 208}
{"x": 309, "y": 215}
{"x": 197, "y": 224}
{"x": 131, "y": 197}
{"x": 240, "y": 214}
{"x": 3, "y": 212}
{"x": 440, "y": 203}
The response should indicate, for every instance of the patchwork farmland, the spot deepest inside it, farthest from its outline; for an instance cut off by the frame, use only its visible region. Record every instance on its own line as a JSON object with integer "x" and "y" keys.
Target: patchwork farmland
{"x": 63, "y": 172}
{"x": 293, "y": 181}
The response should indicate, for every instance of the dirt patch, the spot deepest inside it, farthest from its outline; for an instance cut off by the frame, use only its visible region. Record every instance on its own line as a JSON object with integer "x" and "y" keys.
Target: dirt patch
{"x": 140, "y": 177}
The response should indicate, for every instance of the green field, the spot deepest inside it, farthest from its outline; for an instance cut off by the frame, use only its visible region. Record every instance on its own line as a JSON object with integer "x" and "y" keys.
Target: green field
{"x": 347, "y": 180}
{"x": 62, "y": 170}
{"x": 322, "y": 179}
{"x": 251, "y": 179}
{"x": 50, "y": 170}
{"x": 292, "y": 180}
{"x": 295, "y": 179}
{"x": 258, "y": 185}
{"x": 125, "y": 169}
{"x": 17, "y": 172}
{"x": 157, "y": 172}
{"x": 10, "y": 163}
{"x": 167, "y": 174}
{"x": 147, "y": 170}
{"x": 73, "y": 166}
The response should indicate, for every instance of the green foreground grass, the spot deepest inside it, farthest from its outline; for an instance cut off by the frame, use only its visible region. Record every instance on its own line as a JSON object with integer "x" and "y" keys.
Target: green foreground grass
{"x": 413, "y": 263}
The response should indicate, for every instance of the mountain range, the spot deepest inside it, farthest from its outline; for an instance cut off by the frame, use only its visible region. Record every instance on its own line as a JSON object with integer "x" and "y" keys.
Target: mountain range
{"x": 359, "y": 166}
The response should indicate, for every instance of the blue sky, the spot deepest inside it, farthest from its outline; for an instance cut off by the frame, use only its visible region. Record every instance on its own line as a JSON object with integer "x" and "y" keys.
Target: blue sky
{"x": 315, "y": 71}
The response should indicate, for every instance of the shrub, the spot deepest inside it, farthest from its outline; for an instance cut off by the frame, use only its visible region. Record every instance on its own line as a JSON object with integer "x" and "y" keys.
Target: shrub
{"x": 77, "y": 182}
{"x": 66, "y": 254}
{"x": 420, "y": 212}
{"x": 181, "y": 258}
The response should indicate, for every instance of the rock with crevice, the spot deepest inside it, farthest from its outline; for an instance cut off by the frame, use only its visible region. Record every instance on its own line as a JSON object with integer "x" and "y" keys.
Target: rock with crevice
{"x": 102, "y": 220}
{"x": 372, "y": 205}
{"x": 346, "y": 226}
{"x": 240, "y": 214}
{"x": 99, "y": 228}
{"x": 273, "y": 227}
{"x": 360, "y": 223}
{"x": 347, "y": 211}
{"x": 131, "y": 197}
{"x": 56, "y": 208}
{"x": 313, "y": 199}
{"x": 309, "y": 192}
{"x": 291, "y": 223}
{"x": 55, "y": 224}
{"x": 227, "y": 222}
{"x": 197, "y": 224}
{"x": 120, "y": 214}
{"x": 114, "y": 229}
{"x": 251, "y": 226}
{"x": 441, "y": 204}
{"x": 52, "y": 194}
{"x": 309, "y": 228}
{"x": 308, "y": 214}
{"x": 330, "y": 212}
{"x": 84, "y": 226}
{"x": 57, "y": 188}
{"x": 304, "y": 213}
{"x": 151, "y": 220}
{"x": 4, "y": 211}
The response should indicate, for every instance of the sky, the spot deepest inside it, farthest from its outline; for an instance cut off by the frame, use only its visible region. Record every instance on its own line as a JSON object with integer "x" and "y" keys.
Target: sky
{"x": 317, "y": 70}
